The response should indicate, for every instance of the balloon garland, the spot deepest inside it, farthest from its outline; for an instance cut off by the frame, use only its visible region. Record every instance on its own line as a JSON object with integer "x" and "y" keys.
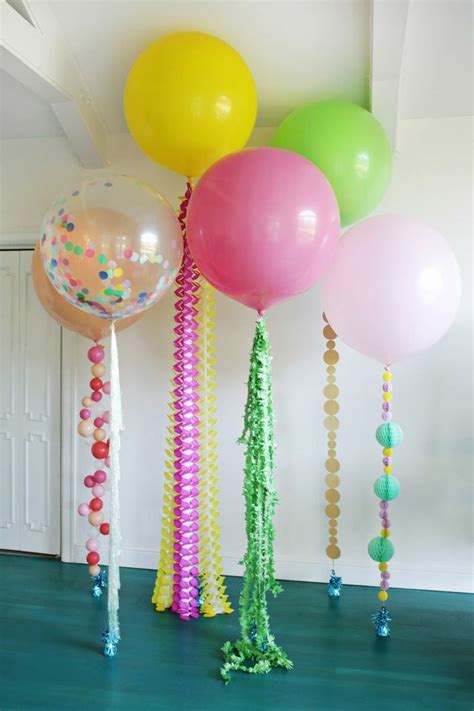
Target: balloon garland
{"x": 331, "y": 423}
{"x": 112, "y": 249}
{"x": 189, "y": 577}
{"x": 257, "y": 644}
{"x": 386, "y": 488}
{"x": 261, "y": 210}
{"x": 86, "y": 428}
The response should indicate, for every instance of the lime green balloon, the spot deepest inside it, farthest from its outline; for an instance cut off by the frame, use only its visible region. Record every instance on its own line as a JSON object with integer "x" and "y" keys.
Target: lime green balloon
{"x": 348, "y": 145}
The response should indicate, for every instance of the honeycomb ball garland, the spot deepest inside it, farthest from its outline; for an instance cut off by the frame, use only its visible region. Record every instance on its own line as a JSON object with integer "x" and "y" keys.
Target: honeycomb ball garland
{"x": 381, "y": 549}
{"x": 386, "y": 487}
{"x": 389, "y": 434}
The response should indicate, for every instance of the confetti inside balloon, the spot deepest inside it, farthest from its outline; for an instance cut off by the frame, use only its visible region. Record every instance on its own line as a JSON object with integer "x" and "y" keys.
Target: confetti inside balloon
{"x": 112, "y": 247}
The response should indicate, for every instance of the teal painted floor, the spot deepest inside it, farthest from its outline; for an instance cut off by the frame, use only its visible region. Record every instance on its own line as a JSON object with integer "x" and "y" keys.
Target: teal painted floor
{"x": 50, "y": 654}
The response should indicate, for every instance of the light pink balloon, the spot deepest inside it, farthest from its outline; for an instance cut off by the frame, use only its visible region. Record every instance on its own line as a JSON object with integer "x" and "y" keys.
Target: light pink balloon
{"x": 394, "y": 288}
{"x": 263, "y": 225}
{"x": 83, "y": 509}
{"x": 92, "y": 544}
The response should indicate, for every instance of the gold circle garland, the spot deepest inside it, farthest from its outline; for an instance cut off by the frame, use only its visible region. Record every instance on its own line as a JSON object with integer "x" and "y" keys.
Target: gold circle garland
{"x": 332, "y": 464}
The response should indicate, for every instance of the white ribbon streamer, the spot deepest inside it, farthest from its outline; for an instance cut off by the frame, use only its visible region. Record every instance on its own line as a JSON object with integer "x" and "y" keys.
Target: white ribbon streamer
{"x": 116, "y": 427}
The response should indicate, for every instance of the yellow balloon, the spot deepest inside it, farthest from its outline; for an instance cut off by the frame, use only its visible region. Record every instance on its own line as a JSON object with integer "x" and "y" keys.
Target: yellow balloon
{"x": 189, "y": 100}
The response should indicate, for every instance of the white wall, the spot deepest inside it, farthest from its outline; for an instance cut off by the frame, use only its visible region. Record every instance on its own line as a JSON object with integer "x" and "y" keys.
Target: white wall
{"x": 431, "y": 520}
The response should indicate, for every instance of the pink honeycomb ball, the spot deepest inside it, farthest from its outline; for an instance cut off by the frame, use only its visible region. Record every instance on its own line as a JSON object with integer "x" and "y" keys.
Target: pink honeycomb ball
{"x": 89, "y": 481}
{"x": 100, "y": 476}
{"x": 83, "y": 509}
{"x": 92, "y": 544}
{"x": 96, "y": 354}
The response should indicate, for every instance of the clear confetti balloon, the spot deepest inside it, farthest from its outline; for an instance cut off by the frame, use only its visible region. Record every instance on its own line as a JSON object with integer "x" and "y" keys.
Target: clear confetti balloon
{"x": 112, "y": 247}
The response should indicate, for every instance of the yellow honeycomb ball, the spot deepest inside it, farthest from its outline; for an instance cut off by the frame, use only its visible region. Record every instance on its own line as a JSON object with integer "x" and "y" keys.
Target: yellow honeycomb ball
{"x": 387, "y": 376}
{"x": 383, "y": 566}
{"x": 387, "y": 452}
{"x": 385, "y": 532}
{"x": 383, "y": 595}
{"x": 387, "y": 396}
{"x": 388, "y": 470}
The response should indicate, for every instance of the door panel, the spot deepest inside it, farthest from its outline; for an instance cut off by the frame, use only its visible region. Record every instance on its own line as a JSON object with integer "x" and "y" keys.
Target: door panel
{"x": 30, "y": 470}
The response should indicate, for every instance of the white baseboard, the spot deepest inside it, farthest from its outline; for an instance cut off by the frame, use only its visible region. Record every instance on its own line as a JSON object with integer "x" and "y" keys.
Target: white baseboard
{"x": 310, "y": 572}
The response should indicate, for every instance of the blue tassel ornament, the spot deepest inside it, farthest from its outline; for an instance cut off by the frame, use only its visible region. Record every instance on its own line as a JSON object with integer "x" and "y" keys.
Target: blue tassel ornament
{"x": 110, "y": 640}
{"x": 381, "y": 621}
{"x": 334, "y": 585}
{"x": 99, "y": 583}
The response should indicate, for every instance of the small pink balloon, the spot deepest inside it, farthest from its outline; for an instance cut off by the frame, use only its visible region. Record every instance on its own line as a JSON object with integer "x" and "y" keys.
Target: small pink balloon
{"x": 85, "y": 428}
{"x": 263, "y": 225}
{"x": 106, "y": 416}
{"x": 89, "y": 481}
{"x": 84, "y": 413}
{"x": 98, "y": 422}
{"x": 98, "y": 369}
{"x": 92, "y": 544}
{"x": 100, "y": 476}
{"x": 98, "y": 490}
{"x": 394, "y": 288}
{"x": 95, "y": 518}
{"x": 96, "y": 396}
{"x": 83, "y": 509}
{"x": 94, "y": 570}
{"x": 99, "y": 434}
{"x": 106, "y": 387}
{"x": 86, "y": 401}
{"x": 96, "y": 354}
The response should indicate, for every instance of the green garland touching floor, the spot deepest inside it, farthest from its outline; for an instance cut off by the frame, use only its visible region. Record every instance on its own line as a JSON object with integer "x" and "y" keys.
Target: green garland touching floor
{"x": 256, "y": 651}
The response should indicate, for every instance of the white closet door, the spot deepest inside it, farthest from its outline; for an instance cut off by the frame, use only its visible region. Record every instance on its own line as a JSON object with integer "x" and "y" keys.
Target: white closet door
{"x": 9, "y": 430}
{"x": 35, "y": 473}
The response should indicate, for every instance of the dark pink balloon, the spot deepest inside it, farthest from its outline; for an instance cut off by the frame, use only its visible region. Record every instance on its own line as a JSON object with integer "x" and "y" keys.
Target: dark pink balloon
{"x": 263, "y": 225}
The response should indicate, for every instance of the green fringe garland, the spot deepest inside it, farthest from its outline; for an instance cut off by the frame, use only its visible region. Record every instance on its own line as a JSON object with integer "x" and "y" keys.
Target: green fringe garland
{"x": 256, "y": 652}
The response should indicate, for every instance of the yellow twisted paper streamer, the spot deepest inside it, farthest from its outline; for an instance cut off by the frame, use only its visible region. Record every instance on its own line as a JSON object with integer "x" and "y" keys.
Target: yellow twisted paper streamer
{"x": 215, "y": 600}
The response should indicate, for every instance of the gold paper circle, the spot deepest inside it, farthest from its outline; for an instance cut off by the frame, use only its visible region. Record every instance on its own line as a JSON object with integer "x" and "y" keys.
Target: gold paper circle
{"x": 330, "y": 345}
{"x": 331, "y": 357}
{"x": 330, "y": 370}
{"x": 332, "y": 539}
{"x": 331, "y": 379}
{"x": 329, "y": 332}
{"x": 331, "y": 423}
{"x": 331, "y": 407}
{"x": 331, "y": 392}
{"x": 332, "y": 481}
{"x": 332, "y": 511}
{"x": 331, "y": 451}
{"x": 332, "y": 521}
{"x": 333, "y": 496}
{"x": 332, "y": 531}
{"x": 325, "y": 318}
{"x": 333, "y": 552}
{"x": 332, "y": 465}
{"x": 331, "y": 435}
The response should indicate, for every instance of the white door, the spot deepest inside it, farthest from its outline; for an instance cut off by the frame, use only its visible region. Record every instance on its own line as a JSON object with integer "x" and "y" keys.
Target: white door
{"x": 30, "y": 362}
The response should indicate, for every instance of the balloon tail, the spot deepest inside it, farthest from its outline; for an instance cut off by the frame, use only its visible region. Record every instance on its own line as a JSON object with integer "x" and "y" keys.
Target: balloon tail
{"x": 256, "y": 651}
{"x": 111, "y": 636}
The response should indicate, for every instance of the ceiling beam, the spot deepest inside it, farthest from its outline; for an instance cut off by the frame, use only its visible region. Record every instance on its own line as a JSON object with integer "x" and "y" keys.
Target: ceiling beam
{"x": 37, "y": 57}
{"x": 389, "y": 22}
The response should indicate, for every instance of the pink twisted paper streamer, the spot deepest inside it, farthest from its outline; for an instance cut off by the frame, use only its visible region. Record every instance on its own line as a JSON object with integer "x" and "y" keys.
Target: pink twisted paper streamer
{"x": 186, "y": 434}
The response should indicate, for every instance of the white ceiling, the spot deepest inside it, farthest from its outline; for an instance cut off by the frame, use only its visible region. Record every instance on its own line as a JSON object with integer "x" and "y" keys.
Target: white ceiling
{"x": 297, "y": 51}
{"x": 23, "y": 113}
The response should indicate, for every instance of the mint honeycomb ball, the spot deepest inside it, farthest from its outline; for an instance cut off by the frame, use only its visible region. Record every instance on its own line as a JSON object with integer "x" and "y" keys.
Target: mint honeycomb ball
{"x": 381, "y": 549}
{"x": 386, "y": 487}
{"x": 389, "y": 434}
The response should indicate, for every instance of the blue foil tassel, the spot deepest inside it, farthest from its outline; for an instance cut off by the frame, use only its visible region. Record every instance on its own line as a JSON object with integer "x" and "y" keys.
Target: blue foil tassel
{"x": 381, "y": 621}
{"x": 99, "y": 583}
{"x": 334, "y": 585}
{"x": 110, "y": 640}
